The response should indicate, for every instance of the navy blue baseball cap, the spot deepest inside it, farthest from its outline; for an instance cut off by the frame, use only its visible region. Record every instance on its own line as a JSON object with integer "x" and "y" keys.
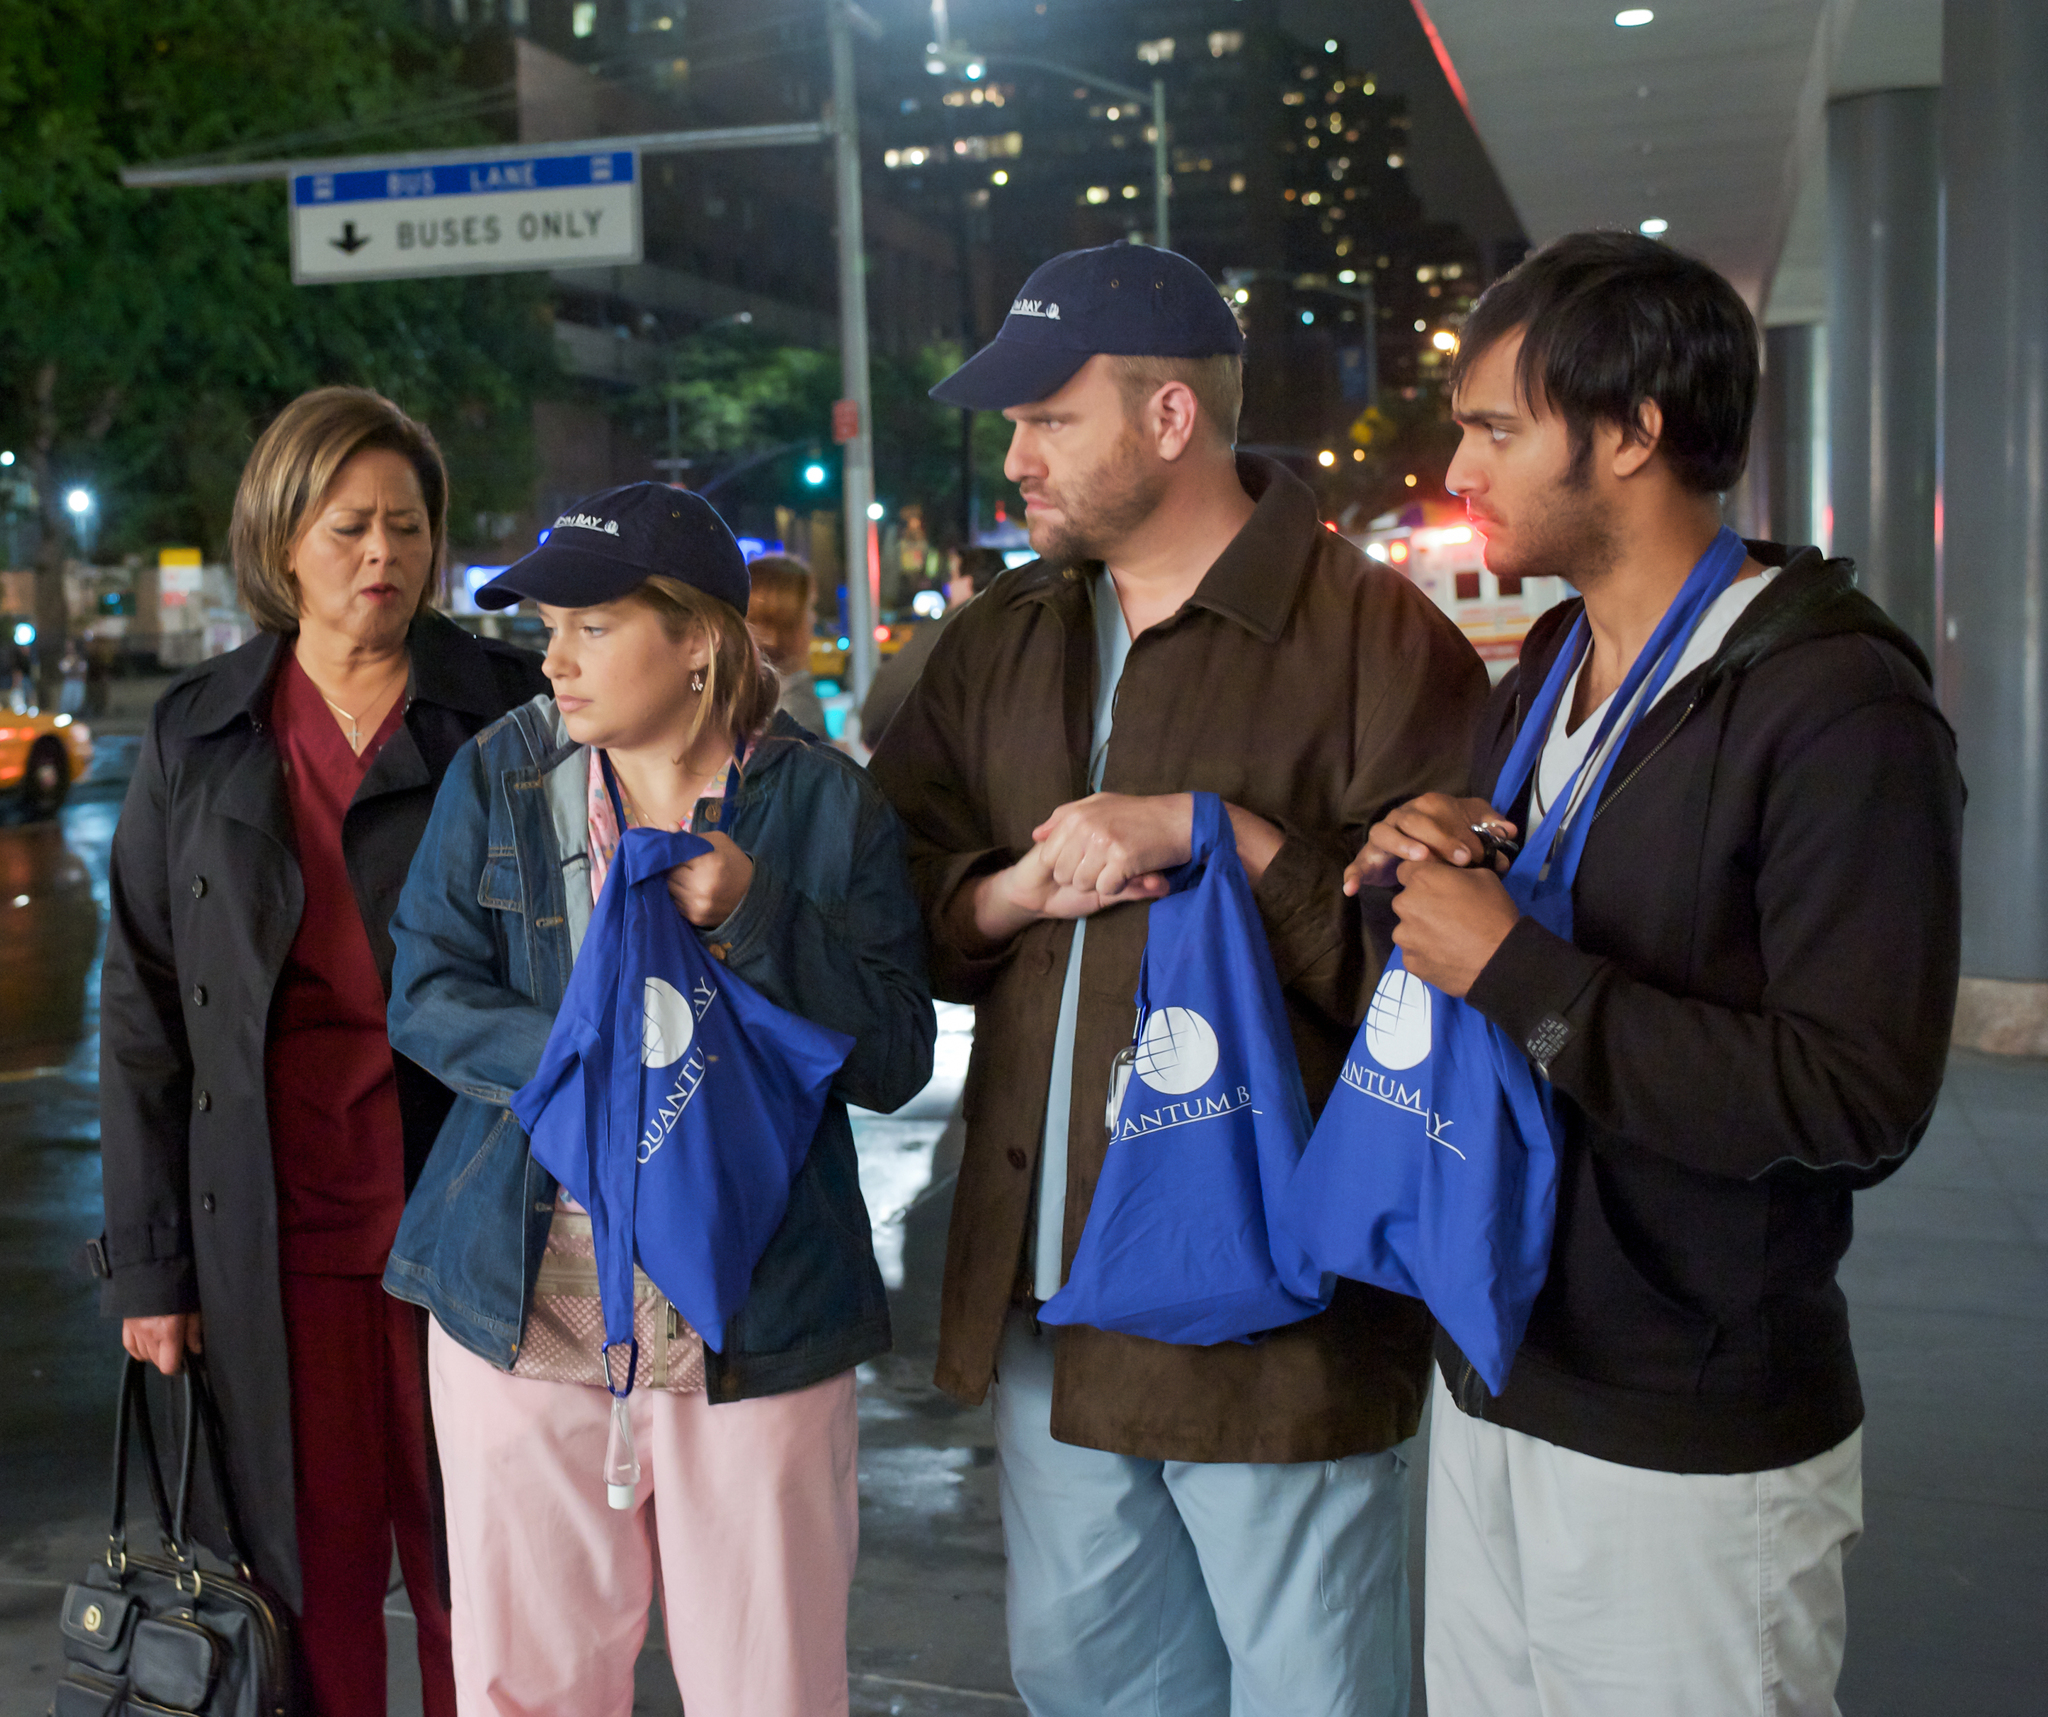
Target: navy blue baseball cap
{"x": 612, "y": 542}
{"x": 1130, "y": 300}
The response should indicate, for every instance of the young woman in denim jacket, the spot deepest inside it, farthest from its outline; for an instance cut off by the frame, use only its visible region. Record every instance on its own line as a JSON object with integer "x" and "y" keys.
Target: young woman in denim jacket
{"x": 747, "y": 1495}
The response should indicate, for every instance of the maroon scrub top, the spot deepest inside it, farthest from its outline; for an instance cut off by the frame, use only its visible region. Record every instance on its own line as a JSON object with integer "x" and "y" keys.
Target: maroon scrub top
{"x": 336, "y": 1139}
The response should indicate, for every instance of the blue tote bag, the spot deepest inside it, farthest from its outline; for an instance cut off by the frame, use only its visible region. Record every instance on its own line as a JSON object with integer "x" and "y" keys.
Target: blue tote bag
{"x": 673, "y": 1100}
{"x": 1207, "y": 1120}
{"x": 1433, "y": 1170}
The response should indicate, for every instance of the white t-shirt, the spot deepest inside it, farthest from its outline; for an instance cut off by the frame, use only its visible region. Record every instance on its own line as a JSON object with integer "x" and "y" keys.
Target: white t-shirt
{"x": 1564, "y": 751}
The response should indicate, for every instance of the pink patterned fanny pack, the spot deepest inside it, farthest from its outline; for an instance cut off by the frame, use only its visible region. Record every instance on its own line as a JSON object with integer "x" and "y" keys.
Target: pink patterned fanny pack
{"x": 565, "y": 1328}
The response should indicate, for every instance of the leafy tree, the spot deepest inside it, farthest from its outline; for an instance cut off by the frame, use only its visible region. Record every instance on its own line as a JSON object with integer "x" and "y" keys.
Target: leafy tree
{"x": 749, "y": 410}
{"x": 145, "y": 336}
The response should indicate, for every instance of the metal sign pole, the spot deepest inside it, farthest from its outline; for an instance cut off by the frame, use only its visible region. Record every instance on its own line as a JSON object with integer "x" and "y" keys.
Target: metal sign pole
{"x": 1162, "y": 182}
{"x": 857, "y": 480}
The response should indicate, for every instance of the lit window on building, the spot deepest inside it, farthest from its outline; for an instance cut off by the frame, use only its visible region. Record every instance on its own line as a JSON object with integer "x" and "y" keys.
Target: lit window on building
{"x": 1130, "y": 193}
{"x": 1397, "y": 160}
{"x": 1157, "y": 53}
{"x": 1097, "y": 194}
{"x": 1425, "y": 274}
{"x": 1223, "y": 42}
{"x": 582, "y": 19}
{"x": 989, "y": 148}
{"x": 1236, "y": 184}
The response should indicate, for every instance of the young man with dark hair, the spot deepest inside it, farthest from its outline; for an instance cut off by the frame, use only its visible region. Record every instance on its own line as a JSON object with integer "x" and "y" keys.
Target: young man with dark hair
{"x": 1748, "y": 1023}
{"x": 1190, "y": 1530}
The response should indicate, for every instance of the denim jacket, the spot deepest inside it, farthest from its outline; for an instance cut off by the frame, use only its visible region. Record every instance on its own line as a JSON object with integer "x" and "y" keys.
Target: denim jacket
{"x": 486, "y": 933}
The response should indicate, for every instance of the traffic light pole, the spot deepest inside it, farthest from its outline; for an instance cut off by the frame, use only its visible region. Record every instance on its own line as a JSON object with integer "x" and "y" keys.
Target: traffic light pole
{"x": 842, "y": 131}
{"x": 857, "y": 471}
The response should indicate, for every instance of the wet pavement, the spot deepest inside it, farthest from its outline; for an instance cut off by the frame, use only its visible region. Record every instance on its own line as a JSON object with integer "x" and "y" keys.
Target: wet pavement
{"x": 1948, "y": 1284}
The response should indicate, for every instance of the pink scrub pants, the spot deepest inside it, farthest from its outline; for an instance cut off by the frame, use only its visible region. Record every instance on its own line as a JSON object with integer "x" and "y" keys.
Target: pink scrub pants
{"x": 747, "y": 1522}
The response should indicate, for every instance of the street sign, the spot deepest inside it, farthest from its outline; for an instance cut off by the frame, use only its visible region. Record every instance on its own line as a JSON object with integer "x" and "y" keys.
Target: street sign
{"x": 466, "y": 217}
{"x": 845, "y": 420}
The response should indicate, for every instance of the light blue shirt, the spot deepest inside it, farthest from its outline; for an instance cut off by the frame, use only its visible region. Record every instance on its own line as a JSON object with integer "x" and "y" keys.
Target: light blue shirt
{"x": 1112, "y": 648}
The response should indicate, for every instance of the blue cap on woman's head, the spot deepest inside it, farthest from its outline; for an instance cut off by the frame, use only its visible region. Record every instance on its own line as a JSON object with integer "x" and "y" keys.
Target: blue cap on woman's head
{"x": 610, "y": 543}
{"x": 1126, "y": 300}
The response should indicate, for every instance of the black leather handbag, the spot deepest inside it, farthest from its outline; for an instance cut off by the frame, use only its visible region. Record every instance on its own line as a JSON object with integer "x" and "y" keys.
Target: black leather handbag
{"x": 156, "y": 1633}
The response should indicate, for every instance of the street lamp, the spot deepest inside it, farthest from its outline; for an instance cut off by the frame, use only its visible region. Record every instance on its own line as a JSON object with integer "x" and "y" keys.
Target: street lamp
{"x": 943, "y": 56}
{"x": 82, "y": 506}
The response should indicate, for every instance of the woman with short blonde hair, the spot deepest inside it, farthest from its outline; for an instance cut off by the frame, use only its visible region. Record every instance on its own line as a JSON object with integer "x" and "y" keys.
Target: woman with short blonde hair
{"x": 257, "y": 1133}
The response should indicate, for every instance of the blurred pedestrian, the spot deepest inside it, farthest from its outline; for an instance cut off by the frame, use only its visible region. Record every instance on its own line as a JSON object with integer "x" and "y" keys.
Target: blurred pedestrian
{"x": 779, "y": 615}
{"x": 71, "y": 679}
{"x": 1197, "y": 1530}
{"x": 972, "y": 569}
{"x": 745, "y": 1516}
{"x": 99, "y": 656}
{"x": 1748, "y": 1022}
{"x": 257, "y": 1133}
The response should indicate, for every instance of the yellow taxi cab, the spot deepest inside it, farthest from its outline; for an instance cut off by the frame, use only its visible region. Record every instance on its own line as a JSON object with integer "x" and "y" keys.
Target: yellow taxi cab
{"x": 41, "y": 754}
{"x": 828, "y": 655}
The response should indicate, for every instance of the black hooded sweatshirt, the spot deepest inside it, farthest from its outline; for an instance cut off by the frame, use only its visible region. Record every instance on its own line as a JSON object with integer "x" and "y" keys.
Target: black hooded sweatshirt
{"x": 1750, "y": 1022}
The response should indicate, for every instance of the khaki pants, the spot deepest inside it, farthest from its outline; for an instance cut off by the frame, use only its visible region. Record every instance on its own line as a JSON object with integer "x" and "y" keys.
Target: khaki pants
{"x": 1563, "y": 1586}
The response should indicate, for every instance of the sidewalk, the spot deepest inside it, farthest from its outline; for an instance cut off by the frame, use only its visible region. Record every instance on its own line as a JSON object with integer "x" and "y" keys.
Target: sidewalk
{"x": 1947, "y": 1281}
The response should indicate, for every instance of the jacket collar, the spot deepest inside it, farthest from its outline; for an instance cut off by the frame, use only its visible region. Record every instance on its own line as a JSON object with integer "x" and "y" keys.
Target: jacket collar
{"x": 1254, "y": 580}
{"x": 448, "y": 667}
{"x": 549, "y": 746}
{"x": 1811, "y": 597}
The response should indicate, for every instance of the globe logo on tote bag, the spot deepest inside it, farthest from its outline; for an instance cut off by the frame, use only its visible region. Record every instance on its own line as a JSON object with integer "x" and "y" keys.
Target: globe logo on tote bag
{"x": 1397, "y": 1022}
{"x": 1177, "y": 1051}
{"x": 669, "y": 1025}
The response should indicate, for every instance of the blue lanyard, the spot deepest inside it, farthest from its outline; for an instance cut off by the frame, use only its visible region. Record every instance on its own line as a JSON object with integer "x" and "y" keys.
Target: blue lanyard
{"x": 1551, "y": 857}
{"x": 625, "y": 1094}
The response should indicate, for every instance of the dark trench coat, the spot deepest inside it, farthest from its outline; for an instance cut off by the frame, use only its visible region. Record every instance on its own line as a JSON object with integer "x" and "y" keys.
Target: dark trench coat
{"x": 206, "y": 899}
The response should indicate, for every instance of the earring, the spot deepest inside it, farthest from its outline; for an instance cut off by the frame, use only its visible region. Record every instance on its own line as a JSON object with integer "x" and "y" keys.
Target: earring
{"x": 697, "y": 681}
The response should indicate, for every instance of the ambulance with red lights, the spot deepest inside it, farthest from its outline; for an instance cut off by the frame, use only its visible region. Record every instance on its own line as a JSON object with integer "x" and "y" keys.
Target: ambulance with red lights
{"x": 1445, "y": 561}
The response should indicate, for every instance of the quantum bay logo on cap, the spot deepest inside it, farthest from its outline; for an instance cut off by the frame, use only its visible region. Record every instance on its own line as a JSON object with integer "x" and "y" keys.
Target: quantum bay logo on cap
{"x": 1035, "y": 307}
{"x": 588, "y": 522}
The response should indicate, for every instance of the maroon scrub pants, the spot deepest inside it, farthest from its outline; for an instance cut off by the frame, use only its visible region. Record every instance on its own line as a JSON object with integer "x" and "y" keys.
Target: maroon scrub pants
{"x": 360, "y": 1468}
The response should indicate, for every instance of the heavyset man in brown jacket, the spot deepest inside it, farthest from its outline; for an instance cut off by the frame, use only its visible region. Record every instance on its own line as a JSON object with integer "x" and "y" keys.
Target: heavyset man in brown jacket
{"x": 1178, "y": 1520}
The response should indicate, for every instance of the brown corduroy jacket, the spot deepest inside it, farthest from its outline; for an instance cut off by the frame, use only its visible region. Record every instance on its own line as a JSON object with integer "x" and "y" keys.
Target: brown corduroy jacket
{"x": 1302, "y": 682}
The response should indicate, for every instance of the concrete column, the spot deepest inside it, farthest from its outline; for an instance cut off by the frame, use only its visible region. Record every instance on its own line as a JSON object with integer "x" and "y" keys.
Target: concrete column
{"x": 1884, "y": 199}
{"x": 1782, "y": 449}
{"x": 1994, "y": 504}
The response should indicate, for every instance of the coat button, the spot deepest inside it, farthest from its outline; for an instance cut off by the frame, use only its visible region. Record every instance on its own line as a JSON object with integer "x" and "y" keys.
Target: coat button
{"x": 198, "y": 886}
{"x": 1018, "y": 1159}
{"x": 203, "y": 1101}
{"x": 206, "y": 1204}
{"x": 199, "y": 995}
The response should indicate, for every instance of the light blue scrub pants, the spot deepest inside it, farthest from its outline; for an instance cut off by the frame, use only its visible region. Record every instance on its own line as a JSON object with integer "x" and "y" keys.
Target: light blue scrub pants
{"x": 1195, "y": 1589}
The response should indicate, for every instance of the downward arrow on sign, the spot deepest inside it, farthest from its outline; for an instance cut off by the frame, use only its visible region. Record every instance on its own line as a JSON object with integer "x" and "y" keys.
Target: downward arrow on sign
{"x": 350, "y": 241}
